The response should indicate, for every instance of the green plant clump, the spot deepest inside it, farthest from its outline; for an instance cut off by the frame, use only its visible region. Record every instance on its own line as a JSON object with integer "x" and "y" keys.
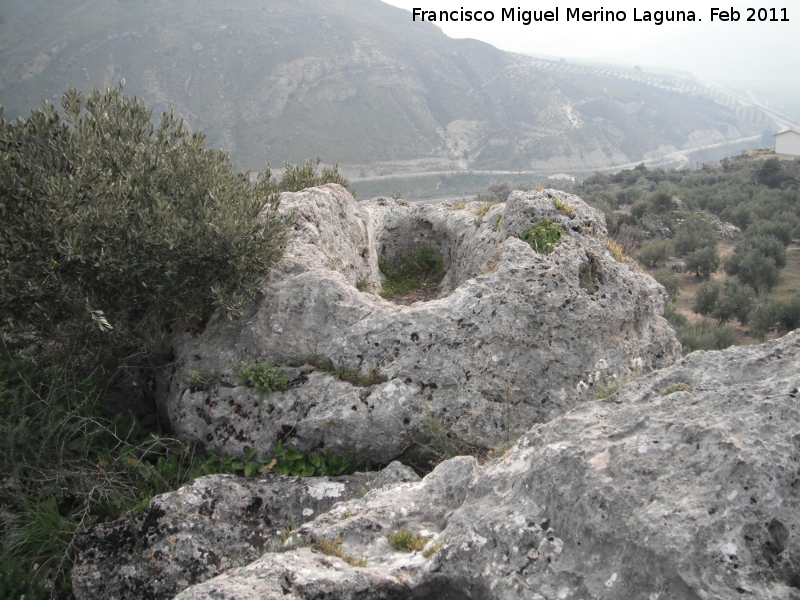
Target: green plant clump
{"x": 367, "y": 378}
{"x": 543, "y": 236}
{"x": 423, "y": 267}
{"x": 263, "y": 375}
{"x": 333, "y": 547}
{"x": 677, "y": 387}
{"x": 200, "y": 379}
{"x": 559, "y": 204}
{"x": 288, "y": 460}
{"x": 403, "y": 539}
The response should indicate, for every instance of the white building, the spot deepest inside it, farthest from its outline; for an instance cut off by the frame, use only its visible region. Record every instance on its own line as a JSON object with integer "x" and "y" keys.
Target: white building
{"x": 562, "y": 177}
{"x": 788, "y": 142}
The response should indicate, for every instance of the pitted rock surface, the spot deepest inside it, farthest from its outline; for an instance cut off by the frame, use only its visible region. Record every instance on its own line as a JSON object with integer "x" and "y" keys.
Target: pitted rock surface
{"x": 206, "y": 528}
{"x": 647, "y": 494}
{"x": 503, "y": 347}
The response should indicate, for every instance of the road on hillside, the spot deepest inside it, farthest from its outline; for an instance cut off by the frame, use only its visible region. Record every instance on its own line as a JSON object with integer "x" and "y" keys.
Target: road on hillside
{"x": 679, "y": 156}
{"x": 447, "y": 199}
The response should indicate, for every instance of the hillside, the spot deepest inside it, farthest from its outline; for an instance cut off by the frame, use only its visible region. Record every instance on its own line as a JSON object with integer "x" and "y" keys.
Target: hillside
{"x": 353, "y": 81}
{"x": 723, "y": 239}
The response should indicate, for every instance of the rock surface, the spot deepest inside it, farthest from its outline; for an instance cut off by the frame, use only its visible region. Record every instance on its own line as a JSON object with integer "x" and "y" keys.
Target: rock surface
{"x": 652, "y": 493}
{"x": 206, "y": 528}
{"x": 502, "y": 347}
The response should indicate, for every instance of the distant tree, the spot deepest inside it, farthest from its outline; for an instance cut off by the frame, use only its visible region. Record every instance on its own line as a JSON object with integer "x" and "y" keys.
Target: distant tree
{"x": 639, "y": 208}
{"x": 768, "y": 245}
{"x": 704, "y": 335}
{"x": 670, "y": 282}
{"x": 754, "y": 269}
{"x": 735, "y": 302}
{"x": 500, "y": 189}
{"x": 703, "y": 261}
{"x": 706, "y": 297}
{"x": 661, "y": 202}
{"x": 771, "y": 173}
{"x": 654, "y": 251}
{"x": 629, "y": 196}
{"x": 695, "y": 233}
{"x": 776, "y": 315}
{"x": 780, "y": 230}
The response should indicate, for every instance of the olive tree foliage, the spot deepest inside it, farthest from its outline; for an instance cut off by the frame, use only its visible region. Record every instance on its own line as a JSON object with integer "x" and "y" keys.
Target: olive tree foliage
{"x": 703, "y": 261}
{"x": 300, "y": 177}
{"x": 776, "y": 314}
{"x": 115, "y": 233}
{"x": 695, "y": 233}
{"x": 757, "y": 261}
{"x": 654, "y": 251}
{"x": 725, "y": 301}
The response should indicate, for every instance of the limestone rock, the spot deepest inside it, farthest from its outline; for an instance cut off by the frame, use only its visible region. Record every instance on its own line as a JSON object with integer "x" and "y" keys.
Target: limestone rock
{"x": 682, "y": 485}
{"x": 656, "y": 227}
{"x": 725, "y": 231}
{"x": 503, "y": 346}
{"x": 206, "y": 528}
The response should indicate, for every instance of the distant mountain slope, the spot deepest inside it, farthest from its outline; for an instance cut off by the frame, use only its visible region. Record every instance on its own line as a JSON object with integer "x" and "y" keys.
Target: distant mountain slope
{"x": 348, "y": 80}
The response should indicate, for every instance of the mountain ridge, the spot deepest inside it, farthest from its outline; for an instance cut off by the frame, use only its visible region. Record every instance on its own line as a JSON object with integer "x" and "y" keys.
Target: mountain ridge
{"x": 353, "y": 81}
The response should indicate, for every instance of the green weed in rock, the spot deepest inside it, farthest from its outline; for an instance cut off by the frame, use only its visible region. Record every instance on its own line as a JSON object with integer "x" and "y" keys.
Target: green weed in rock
{"x": 677, "y": 387}
{"x": 543, "y": 236}
{"x": 403, "y": 539}
{"x": 333, "y": 547}
{"x": 200, "y": 379}
{"x": 368, "y": 377}
{"x": 562, "y": 206}
{"x": 263, "y": 375}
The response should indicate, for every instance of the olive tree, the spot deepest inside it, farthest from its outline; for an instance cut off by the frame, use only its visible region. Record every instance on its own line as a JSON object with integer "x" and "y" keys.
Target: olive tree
{"x": 116, "y": 233}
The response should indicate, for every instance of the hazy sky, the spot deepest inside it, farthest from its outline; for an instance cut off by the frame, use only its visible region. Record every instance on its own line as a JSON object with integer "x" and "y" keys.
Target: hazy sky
{"x": 734, "y": 52}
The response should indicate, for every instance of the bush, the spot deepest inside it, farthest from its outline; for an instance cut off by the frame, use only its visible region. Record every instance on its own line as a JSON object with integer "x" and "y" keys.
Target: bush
{"x": 703, "y": 261}
{"x": 654, "y": 251}
{"x": 676, "y": 319}
{"x": 116, "y": 235}
{"x": 299, "y": 177}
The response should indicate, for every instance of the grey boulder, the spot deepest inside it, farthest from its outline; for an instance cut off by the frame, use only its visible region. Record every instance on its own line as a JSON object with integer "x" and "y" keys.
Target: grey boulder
{"x": 502, "y": 346}
{"x": 205, "y": 528}
{"x": 682, "y": 485}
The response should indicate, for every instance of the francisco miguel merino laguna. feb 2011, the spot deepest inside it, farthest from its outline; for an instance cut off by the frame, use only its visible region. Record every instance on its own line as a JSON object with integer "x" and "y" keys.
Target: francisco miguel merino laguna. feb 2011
{"x": 656, "y": 17}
